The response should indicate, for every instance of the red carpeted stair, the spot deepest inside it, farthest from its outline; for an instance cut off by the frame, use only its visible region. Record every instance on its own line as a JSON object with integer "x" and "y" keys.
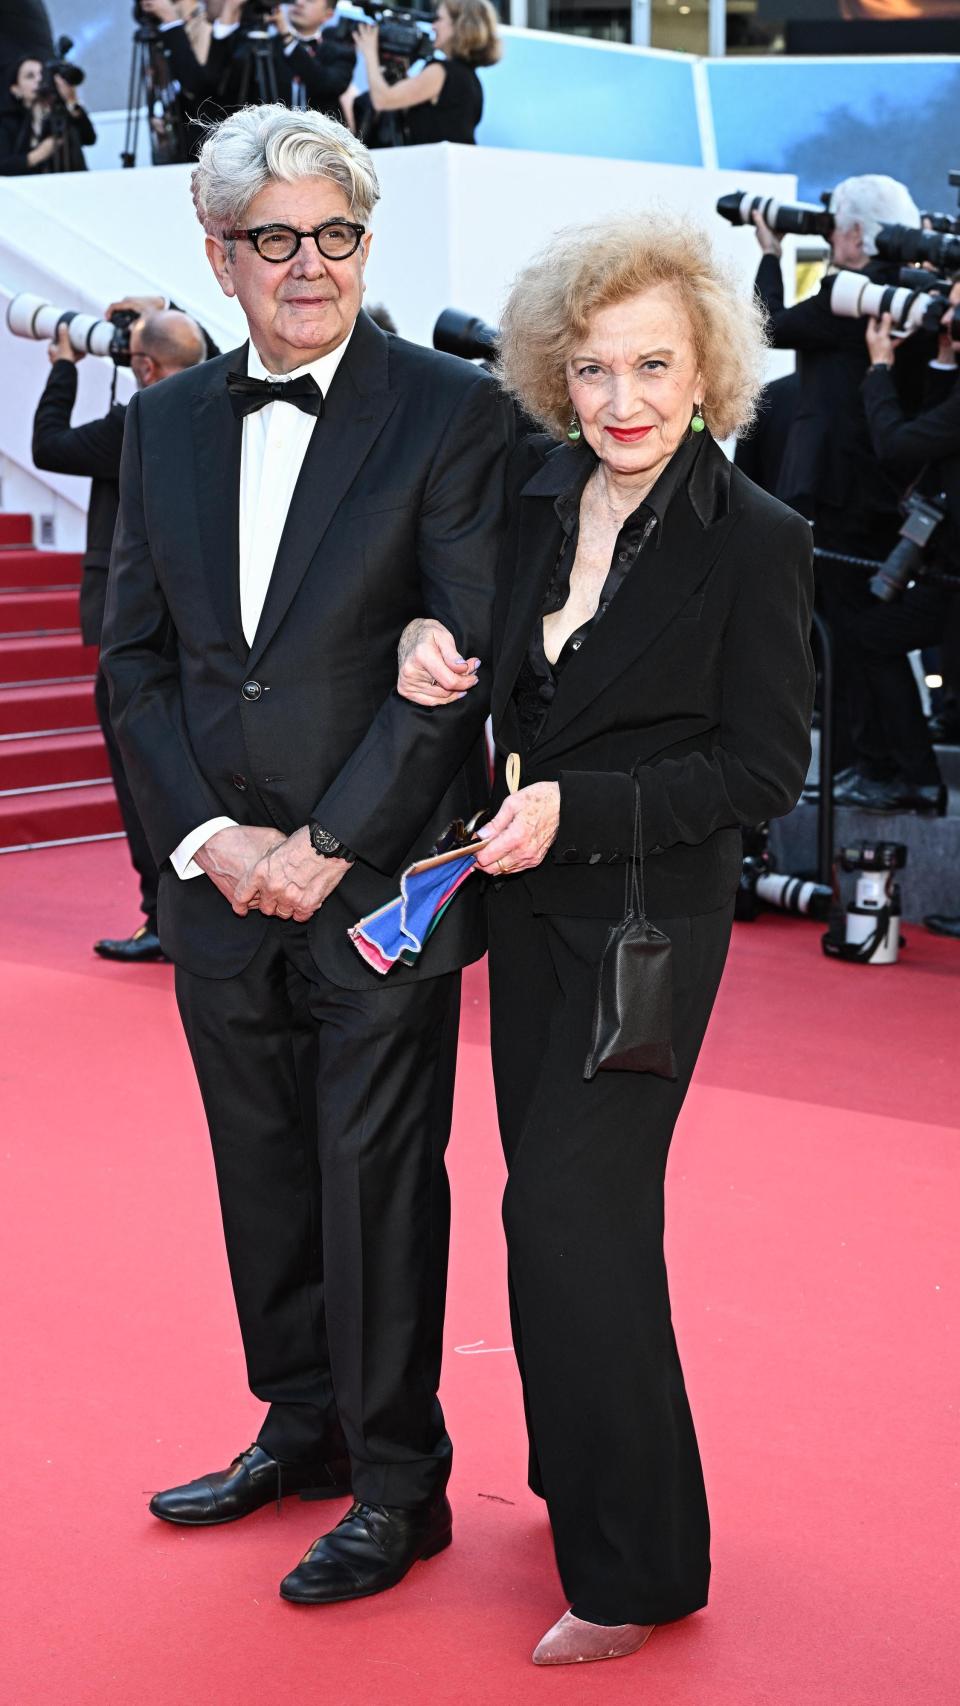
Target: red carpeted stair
{"x": 54, "y": 774}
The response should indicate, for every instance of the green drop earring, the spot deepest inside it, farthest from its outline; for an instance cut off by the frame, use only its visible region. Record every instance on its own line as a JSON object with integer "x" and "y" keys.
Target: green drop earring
{"x": 573, "y": 430}
{"x": 698, "y": 423}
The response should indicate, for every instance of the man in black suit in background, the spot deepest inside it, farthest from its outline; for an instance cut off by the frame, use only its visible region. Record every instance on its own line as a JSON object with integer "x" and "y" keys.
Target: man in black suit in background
{"x": 284, "y": 512}
{"x": 304, "y": 68}
{"x": 162, "y": 342}
{"x": 829, "y": 472}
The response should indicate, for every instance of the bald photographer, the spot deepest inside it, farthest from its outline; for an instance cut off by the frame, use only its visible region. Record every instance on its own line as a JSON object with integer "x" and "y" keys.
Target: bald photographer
{"x": 163, "y": 341}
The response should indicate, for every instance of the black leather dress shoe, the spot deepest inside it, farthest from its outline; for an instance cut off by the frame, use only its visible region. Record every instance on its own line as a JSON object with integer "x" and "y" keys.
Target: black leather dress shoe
{"x": 371, "y": 1549}
{"x": 942, "y": 924}
{"x": 888, "y": 797}
{"x": 254, "y": 1479}
{"x": 143, "y": 945}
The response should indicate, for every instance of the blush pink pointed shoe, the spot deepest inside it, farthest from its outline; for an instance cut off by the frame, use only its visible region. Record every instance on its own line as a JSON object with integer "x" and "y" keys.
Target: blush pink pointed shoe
{"x": 573, "y": 1642}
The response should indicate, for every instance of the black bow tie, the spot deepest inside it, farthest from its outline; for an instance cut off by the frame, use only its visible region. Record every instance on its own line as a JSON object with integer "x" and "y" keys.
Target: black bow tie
{"x": 249, "y": 395}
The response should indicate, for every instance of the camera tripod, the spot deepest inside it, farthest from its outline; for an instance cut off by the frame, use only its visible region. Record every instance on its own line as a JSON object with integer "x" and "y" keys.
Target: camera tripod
{"x": 152, "y": 89}
{"x": 258, "y": 70}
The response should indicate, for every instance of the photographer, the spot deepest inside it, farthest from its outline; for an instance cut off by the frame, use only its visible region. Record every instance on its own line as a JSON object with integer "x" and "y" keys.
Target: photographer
{"x": 444, "y": 101}
{"x": 830, "y": 472}
{"x": 43, "y": 127}
{"x": 183, "y": 36}
{"x": 162, "y": 342}
{"x": 924, "y": 450}
{"x": 302, "y": 67}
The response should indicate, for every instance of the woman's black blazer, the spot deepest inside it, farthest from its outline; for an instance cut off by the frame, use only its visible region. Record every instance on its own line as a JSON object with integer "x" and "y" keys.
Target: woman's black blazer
{"x": 698, "y": 679}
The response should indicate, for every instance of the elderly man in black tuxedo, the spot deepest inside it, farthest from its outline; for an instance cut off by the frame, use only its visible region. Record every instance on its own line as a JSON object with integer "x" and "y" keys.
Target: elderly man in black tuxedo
{"x": 284, "y": 511}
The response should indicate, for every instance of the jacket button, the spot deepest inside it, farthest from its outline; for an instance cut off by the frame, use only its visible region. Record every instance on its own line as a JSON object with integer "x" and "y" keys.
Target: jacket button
{"x": 239, "y": 782}
{"x": 251, "y": 690}
{"x": 570, "y": 856}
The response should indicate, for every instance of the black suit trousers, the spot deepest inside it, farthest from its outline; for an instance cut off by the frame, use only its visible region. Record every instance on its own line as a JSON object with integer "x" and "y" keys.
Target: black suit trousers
{"x": 141, "y": 857}
{"x": 613, "y": 1447}
{"x": 329, "y": 1112}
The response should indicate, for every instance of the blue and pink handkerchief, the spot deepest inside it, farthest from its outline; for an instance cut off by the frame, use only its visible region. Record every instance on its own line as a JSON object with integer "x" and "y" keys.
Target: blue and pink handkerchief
{"x": 396, "y": 933}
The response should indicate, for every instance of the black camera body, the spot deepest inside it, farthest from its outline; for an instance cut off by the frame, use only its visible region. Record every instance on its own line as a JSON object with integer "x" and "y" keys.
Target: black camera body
{"x": 922, "y": 517}
{"x": 61, "y": 66}
{"x": 122, "y": 319}
{"x": 255, "y": 15}
{"x": 405, "y": 35}
{"x": 872, "y": 856}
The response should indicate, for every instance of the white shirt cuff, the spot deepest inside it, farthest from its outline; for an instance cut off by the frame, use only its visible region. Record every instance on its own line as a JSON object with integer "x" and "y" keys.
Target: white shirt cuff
{"x": 171, "y": 24}
{"x": 182, "y": 858}
{"x": 221, "y": 31}
{"x": 943, "y": 366}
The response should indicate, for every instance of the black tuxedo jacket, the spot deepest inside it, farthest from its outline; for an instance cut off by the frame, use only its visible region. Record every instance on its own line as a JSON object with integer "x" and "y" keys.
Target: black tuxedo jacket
{"x": 397, "y": 513}
{"x": 699, "y": 679}
{"x": 93, "y": 450}
{"x": 828, "y": 460}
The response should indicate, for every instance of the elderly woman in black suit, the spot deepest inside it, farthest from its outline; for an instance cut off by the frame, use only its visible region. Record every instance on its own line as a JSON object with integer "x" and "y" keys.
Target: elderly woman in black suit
{"x": 651, "y": 639}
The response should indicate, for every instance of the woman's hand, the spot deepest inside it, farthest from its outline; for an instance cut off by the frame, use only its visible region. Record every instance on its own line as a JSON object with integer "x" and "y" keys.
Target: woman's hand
{"x": 882, "y": 348}
{"x": 432, "y": 672}
{"x": 43, "y": 151}
{"x": 523, "y": 831}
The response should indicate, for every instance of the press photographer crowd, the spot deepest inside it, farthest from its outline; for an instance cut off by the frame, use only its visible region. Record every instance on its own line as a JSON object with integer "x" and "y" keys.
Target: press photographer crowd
{"x": 394, "y": 77}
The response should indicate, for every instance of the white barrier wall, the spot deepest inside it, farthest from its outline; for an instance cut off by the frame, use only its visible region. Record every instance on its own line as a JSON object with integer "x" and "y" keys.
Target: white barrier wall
{"x": 453, "y": 227}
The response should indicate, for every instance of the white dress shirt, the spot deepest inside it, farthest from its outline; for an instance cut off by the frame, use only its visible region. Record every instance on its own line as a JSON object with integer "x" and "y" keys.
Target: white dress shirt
{"x": 273, "y": 447}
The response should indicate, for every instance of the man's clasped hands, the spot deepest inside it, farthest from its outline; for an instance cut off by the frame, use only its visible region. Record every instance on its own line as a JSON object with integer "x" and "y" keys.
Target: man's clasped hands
{"x": 261, "y": 870}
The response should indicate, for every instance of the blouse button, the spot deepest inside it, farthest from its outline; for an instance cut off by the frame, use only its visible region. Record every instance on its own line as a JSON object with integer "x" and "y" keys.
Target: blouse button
{"x": 623, "y": 556}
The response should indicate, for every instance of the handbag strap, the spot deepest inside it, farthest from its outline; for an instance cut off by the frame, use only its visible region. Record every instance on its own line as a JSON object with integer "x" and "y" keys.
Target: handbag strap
{"x": 633, "y": 885}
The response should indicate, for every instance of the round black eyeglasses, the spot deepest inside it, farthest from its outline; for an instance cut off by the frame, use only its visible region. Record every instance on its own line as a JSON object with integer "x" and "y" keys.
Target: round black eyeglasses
{"x": 336, "y": 240}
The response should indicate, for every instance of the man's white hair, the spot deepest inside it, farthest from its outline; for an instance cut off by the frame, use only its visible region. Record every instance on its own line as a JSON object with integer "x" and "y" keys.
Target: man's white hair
{"x": 872, "y": 201}
{"x": 270, "y": 144}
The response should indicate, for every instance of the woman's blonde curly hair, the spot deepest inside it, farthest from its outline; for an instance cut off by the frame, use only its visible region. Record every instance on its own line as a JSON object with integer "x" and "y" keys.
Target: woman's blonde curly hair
{"x": 588, "y": 267}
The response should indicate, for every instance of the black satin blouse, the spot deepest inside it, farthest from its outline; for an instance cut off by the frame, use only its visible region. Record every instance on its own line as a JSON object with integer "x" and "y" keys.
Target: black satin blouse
{"x": 538, "y": 678}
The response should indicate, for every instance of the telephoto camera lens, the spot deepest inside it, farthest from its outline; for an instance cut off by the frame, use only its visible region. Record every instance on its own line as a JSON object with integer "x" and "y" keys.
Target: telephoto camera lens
{"x": 799, "y": 218}
{"x": 905, "y": 243}
{"x": 33, "y": 317}
{"x": 466, "y": 335}
{"x": 854, "y": 297}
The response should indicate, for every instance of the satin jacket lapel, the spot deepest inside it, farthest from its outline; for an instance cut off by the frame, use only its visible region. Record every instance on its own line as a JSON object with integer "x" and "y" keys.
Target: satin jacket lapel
{"x": 356, "y": 409}
{"x": 217, "y": 440}
{"x": 659, "y": 584}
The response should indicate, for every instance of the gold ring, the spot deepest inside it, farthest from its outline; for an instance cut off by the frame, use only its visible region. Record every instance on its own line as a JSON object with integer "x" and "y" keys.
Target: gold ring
{"x": 501, "y": 867}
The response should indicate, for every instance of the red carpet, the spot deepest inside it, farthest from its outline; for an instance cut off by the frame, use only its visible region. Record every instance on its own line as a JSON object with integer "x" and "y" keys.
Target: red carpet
{"x": 814, "y": 1260}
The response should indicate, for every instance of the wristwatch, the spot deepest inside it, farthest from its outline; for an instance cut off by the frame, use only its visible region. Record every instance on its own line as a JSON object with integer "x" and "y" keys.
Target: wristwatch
{"x": 327, "y": 845}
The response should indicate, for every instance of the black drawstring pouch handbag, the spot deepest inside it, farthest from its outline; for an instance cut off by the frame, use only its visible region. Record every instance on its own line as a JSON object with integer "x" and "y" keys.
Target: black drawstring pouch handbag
{"x": 633, "y": 1017}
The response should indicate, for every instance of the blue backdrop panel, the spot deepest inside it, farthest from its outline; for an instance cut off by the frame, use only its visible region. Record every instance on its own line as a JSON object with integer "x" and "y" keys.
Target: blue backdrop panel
{"x": 565, "y": 97}
{"x": 832, "y": 119}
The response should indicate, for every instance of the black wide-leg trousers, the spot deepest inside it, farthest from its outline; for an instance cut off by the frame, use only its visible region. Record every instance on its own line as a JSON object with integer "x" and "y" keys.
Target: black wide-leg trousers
{"x": 329, "y": 1113}
{"x": 613, "y": 1448}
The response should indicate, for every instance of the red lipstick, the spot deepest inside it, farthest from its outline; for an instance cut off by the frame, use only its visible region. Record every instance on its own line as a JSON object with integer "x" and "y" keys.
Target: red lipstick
{"x": 628, "y": 435}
